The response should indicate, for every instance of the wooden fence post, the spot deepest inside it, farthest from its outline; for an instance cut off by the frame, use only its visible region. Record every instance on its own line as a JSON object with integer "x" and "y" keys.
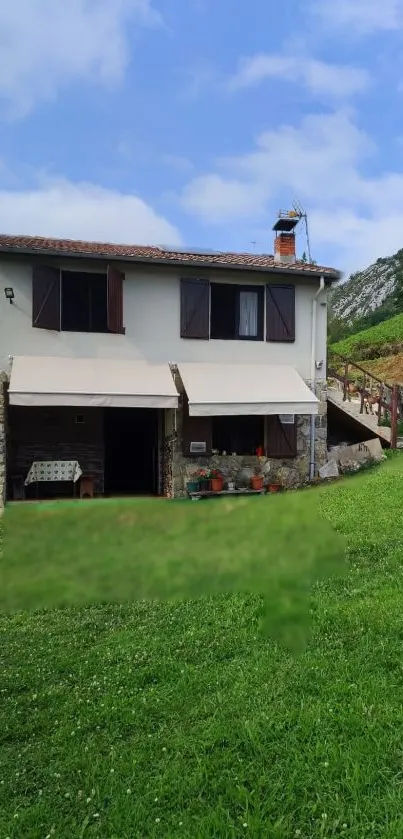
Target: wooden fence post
{"x": 381, "y": 394}
{"x": 362, "y": 393}
{"x": 393, "y": 417}
{"x": 345, "y": 383}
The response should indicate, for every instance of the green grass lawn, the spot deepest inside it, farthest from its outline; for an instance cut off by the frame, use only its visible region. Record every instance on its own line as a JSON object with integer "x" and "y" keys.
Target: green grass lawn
{"x": 139, "y": 718}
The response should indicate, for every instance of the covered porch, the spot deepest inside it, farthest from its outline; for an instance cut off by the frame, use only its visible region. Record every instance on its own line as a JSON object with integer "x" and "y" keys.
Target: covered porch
{"x": 87, "y": 426}
{"x": 246, "y": 420}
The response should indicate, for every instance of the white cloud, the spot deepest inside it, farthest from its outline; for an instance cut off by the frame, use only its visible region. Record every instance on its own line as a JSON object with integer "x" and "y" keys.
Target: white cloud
{"x": 48, "y": 44}
{"x": 69, "y": 210}
{"x": 360, "y": 16}
{"x": 215, "y": 198}
{"x": 354, "y": 218}
{"x": 316, "y": 76}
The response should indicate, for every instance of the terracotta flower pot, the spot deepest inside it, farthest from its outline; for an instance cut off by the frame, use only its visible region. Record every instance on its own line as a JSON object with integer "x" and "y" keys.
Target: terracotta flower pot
{"x": 217, "y": 484}
{"x": 256, "y": 482}
{"x": 274, "y": 487}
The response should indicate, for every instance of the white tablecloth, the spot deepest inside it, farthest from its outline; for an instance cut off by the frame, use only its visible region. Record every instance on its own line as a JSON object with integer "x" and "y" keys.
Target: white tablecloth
{"x": 53, "y": 470}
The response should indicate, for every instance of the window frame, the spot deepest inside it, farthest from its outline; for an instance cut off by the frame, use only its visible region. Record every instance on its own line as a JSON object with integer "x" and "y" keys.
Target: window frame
{"x": 47, "y": 294}
{"x": 238, "y": 287}
{"x": 252, "y": 418}
{"x": 88, "y": 275}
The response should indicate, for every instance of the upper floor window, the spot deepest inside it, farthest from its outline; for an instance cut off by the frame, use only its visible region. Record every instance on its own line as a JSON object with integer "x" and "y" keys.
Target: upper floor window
{"x": 236, "y": 312}
{"x": 231, "y": 311}
{"x": 84, "y": 302}
{"x": 77, "y": 301}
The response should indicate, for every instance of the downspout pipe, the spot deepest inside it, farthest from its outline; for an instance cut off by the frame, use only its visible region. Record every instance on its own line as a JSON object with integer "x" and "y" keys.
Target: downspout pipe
{"x": 313, "y": 374}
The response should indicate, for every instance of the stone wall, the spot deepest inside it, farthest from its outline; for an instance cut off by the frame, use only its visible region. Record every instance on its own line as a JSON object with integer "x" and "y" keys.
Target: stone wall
{"x": 289, "y": 472}
{"x": 3, "y": 397}
{"x": 168, "y": 454}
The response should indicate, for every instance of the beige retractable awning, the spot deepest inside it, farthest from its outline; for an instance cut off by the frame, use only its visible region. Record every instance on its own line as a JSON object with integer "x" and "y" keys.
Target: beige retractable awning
{"x": 242, "y": 389}
{"x": 91, "y": 383}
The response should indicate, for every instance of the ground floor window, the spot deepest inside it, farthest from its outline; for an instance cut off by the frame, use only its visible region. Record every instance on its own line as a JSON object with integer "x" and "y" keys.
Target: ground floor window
{"x": 239, "y": 434}
{"x": 274, "y": 435}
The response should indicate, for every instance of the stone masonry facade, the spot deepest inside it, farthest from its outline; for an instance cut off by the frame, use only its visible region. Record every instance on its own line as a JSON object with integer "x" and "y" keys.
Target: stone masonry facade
{"x": 290, "y": 473}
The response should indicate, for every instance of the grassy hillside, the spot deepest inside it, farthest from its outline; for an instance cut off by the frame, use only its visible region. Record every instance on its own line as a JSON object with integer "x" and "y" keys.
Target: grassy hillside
{"x": 180, "y": 720}
{"x": 389, "y": 369}
{"x": 380, "y": 341}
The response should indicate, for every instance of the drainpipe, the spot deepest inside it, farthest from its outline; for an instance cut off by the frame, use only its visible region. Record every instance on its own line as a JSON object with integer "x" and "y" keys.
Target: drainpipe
{"x": 313, "y": 374}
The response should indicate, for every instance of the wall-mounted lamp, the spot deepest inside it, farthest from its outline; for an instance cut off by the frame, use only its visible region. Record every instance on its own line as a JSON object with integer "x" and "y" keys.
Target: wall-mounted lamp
{"x": 318, "y": 365}
{"x": 9, "y": 292}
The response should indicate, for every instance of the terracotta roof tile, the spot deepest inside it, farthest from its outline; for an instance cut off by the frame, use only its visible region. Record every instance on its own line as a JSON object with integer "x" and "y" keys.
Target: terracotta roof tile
{"x": 146, "y": 253}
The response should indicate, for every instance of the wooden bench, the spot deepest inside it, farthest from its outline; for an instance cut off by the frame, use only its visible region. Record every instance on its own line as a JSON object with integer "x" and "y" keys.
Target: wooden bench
{"x": 198, "y": 496}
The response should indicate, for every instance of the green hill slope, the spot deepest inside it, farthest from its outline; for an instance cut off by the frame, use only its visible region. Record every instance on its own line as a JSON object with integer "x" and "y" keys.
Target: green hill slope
{"x": 380, "y": 341}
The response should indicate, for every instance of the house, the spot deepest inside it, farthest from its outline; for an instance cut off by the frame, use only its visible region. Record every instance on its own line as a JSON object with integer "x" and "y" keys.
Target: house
{"x": 142, "y": 364}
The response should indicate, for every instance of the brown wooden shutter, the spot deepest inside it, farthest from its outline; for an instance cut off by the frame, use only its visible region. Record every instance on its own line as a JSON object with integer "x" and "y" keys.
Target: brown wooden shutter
{"x": 115, "y": 300}
{"x": 281, "y": 438}
{"x": 280, "y": 313}
{"x": 195, "y": 309}
{"x": 195, "y": 430}
{"x": 46, "y": 297}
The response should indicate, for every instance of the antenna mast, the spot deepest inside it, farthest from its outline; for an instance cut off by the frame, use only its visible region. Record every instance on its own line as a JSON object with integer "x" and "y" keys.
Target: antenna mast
{"x": 301, "y": 213}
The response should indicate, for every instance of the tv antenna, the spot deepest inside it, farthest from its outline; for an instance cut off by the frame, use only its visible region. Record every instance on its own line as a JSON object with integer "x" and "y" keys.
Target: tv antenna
{"x": 302, "y": 214}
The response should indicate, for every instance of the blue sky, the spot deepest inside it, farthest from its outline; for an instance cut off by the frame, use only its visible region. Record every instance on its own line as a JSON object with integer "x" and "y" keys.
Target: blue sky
{"x": 193, "y": 121}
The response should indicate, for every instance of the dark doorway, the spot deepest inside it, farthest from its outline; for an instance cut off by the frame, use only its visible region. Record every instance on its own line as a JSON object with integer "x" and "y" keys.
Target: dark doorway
{"x": 131, "y": 451}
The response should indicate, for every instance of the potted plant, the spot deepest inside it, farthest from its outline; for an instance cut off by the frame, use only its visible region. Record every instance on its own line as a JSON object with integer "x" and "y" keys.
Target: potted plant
{"x": 256, "y": 480}
{"x": 231, "y": 486}
{"x": 217, "y": 480}
{"x": 204, "y": 478}
{"x": 193, "y": 485}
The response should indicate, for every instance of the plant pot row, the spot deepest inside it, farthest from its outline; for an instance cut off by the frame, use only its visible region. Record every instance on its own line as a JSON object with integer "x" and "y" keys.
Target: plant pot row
{"x": 216, "y": 484}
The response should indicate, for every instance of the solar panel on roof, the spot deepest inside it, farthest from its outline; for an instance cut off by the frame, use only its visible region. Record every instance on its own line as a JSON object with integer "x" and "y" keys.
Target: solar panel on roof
{"x": 202, "y": 251}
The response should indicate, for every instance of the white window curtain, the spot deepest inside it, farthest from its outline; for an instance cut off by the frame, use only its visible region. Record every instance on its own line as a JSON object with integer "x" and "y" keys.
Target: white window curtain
{"x": 248, "y": 309}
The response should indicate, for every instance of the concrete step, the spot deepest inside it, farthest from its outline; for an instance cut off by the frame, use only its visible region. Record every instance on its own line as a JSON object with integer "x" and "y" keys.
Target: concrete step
{"x": 352, "y": 409}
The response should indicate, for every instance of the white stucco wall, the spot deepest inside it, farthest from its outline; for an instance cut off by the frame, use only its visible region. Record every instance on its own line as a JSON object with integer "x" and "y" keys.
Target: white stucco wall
{"x": 152, "y": 321}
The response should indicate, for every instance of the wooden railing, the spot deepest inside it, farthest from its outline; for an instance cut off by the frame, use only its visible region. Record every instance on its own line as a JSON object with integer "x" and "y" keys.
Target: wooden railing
{"x": 371, "y": 390}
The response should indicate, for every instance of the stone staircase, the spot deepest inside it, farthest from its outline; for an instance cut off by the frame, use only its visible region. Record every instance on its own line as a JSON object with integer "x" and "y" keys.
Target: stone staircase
{"x": 353, "y": 409}
{"x": 352, "y": 389}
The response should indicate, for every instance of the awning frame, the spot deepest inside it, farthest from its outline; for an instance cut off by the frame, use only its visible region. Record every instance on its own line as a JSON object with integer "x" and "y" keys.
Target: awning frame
{"x": 268, "y": 390}
{"x": 50, "y": 382}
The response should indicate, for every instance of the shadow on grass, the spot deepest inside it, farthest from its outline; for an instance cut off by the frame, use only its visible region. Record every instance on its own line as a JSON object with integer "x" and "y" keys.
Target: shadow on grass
{"x": 123, "y": 550}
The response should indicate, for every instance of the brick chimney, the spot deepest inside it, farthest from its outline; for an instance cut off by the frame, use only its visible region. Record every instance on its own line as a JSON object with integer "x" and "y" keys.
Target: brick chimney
{"x": 284, "y": 248}
{"x": 284, "y": 243}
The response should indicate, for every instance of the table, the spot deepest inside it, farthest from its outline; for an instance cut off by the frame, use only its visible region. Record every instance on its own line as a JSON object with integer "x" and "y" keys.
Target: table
{"x": 54, "y": 470}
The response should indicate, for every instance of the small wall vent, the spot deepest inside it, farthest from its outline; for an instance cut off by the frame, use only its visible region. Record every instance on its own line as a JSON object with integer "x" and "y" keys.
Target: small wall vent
{"x": 198, "y": 448}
